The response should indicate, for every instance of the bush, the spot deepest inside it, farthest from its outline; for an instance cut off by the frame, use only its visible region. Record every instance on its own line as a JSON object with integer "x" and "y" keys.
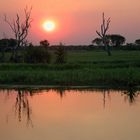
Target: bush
{"x": 37, "y": 55}
{"x": 60, "y": 54}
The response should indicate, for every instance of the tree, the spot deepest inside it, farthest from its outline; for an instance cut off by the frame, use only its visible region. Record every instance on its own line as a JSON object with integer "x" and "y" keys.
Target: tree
{"x": 44, "y": 43}
{"x": 116, "y": 39}
{"x": 103, "y": 32}
{"x": 3, "y": 46}
{"x": 97, "y": 41}
{"x": 6, "y": 45}
{"x": 137, "y": 41}
{"x": 20, "y": 29}
{"x": 60, "y": 54}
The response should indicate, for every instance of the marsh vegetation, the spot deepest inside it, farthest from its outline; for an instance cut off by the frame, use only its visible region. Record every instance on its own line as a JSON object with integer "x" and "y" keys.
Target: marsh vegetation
{"x": 82, "y": 68}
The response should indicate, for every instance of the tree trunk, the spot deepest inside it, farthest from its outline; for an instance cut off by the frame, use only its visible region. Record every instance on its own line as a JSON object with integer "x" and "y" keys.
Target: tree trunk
{"x": 108, "y": 50}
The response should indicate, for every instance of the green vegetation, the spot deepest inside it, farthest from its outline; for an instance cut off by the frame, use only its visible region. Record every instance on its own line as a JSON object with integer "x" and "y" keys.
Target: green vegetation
{"x": 37, "y": 55}
{"x": 60, "y": 54}
{"x": 82, "y": 68}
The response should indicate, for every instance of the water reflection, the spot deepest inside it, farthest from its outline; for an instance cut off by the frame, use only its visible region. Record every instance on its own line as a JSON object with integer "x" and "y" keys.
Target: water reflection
{"x": 23, "y": 108}
{"x": 60, "y": 91}
{"x": 131, "y": 94}
{"x": 65, "y": 114}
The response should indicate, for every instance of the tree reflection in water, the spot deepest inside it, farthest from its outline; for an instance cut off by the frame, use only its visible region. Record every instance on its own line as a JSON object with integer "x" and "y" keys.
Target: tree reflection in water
{"x": 131, "y": 94}
{"x": 104, "y": 96}
{"x": 60, "y": 92}
{"x": 22, "y": 106}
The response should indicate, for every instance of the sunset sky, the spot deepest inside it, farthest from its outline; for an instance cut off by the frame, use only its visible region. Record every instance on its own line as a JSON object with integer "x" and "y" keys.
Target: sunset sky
{"x": 76, "y": 21}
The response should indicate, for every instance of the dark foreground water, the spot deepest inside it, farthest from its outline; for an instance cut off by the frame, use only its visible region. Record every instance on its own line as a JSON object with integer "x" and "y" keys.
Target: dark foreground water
{"x": 69, "y": 115}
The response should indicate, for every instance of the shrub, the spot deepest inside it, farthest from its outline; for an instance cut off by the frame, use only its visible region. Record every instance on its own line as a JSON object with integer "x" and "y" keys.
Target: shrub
{"x": 37, "y": 55}
{"x": 60, "y": 54}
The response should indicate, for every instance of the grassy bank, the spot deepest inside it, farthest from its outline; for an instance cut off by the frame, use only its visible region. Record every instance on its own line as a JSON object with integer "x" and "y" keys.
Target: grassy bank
{"x": 82, "y": 68}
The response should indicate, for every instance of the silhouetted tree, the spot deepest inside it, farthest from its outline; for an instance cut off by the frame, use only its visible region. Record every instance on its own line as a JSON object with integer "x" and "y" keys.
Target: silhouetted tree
{"x": 60, "y": 54}
{"x": 44, "y": 43}
{"x": 103, "y": 32}
{"x": 3, "y": 46}
{"x": 137, "y": 41}
{"x": 97, "y": 41}
{"x": 8, "y": 43}
{"x": 4, "y": 42}
{"x": 116, "y": 40}
{"x": 20, "y": 29}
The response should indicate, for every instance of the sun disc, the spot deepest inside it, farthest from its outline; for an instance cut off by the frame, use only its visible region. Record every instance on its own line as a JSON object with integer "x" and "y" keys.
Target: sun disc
{"x": 49, "y": 25}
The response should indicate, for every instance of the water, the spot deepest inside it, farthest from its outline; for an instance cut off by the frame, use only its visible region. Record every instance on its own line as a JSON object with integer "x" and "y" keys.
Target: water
{"x": 69, "y": 115}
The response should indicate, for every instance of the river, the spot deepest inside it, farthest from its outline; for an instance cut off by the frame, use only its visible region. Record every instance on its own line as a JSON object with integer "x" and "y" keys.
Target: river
{"x": 69, "y": 114}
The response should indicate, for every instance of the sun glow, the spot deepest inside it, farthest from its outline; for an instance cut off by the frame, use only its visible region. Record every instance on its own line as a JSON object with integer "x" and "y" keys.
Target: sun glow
{"x": 49, "y": 25}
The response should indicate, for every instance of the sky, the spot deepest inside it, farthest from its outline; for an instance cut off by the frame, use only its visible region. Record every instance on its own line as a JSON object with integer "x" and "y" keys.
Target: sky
{"x": 76, "y": 21}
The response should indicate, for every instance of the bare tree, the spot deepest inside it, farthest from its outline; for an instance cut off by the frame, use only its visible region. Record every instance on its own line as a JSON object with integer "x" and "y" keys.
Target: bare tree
{"x": 103, "y": 32}
{"x": 20, "y": 29}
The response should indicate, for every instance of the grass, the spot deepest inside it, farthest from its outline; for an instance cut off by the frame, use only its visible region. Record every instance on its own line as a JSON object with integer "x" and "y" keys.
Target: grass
{"x": 101, "y": 56}
{"x": 83, "y": 68}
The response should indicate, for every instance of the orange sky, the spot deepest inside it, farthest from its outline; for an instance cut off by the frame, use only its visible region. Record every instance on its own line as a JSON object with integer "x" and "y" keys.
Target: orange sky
{"x": 77, "y": 20}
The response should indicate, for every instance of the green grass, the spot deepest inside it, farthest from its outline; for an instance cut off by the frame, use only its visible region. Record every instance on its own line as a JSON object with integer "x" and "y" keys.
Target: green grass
{"x": 101, "y": 56}
{"x": 83, "y": 68}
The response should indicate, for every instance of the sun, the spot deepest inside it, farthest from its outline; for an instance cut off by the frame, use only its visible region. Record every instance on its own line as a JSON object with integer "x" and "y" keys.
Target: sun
{"x": 49, "y": 25}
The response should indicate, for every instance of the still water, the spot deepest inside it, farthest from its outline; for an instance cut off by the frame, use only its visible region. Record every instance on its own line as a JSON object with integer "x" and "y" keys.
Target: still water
{"x": 69, "y": 114}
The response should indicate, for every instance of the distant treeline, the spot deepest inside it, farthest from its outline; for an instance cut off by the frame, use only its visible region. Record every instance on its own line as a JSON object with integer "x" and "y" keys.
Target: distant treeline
{"x": 28, "y": 53}
{"x": 9, "y": 45}
{"x": 95, "y": 47}
{"x": 46, "y": 53}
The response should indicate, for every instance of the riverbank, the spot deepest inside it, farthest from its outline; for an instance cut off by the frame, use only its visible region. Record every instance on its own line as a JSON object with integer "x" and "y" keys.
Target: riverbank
{"x": 82, "y": 69}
